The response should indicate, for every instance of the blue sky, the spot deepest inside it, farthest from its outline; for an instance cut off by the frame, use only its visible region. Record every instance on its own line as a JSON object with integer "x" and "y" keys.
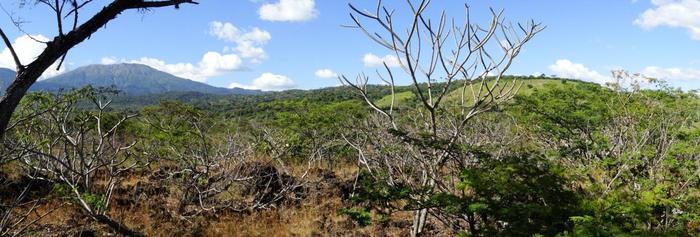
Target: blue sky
{"x": 283, "y": 44}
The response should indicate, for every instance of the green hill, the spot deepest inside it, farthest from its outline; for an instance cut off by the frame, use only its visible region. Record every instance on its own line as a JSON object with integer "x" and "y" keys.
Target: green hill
{"x": 406, "y": 96}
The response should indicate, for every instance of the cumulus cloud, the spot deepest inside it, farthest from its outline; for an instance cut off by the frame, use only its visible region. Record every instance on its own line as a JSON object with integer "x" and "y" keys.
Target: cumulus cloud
{"x": 268, "y": 82}
{"x": 326, "y": 73}
{"x": 248, "y": 42}
{"x": 288, "y": 10}
{"x": 568, "y": 69}
{"x": 212, "y": 64}
{"x": 672, "y": 13}
{"x": 109, "y": 60}
{"x": 673, "y": 73}
{"x": 371, "y": 60}
{"x": 27, "y": 50}
{"x": 248, "y": 46}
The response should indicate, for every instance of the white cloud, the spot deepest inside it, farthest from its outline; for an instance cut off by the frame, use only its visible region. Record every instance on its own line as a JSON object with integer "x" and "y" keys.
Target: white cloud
{"x": 326, "y": 73}
{"x": 248, "y": 46}
{"x": 247, "y": 50}
{"x": 109, "y": 60}
{"x": 229, "y": 32}
{"x": 288, "y": 10}
{"x": 212, "y": 64}
{"x": 568, "y": 69}
{"x": 672, "y": 13}
{"x": 673, "y": 73}
{"x": 248, "y": 42}
{"x": 371, "y": 60}
{"x": 27, "y": 50}
{"x": 268, "y": 82}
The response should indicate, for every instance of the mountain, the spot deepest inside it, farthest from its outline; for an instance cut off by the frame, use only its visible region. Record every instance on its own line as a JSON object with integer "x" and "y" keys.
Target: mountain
{"x": 130, "y": 79}
{"x": 6, "y": 78}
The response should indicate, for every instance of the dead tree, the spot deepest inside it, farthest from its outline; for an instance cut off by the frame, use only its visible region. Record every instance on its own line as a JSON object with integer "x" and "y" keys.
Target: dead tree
{"x": 67, "y": 17}
{"x": 457, "y": 71}
{"x": 18, "y": 209}
{"x": 214, "y": 167}
{"x": 81, "y": 151}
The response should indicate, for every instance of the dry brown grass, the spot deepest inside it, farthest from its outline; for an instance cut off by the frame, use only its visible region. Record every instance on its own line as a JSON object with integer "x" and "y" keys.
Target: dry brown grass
{"x": 151, "y": 213}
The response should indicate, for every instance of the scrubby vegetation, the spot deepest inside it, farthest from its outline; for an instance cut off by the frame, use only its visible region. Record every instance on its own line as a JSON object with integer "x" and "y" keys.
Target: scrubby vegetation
{"x": 565, "y": 158}
{"x": 463, "y": 150}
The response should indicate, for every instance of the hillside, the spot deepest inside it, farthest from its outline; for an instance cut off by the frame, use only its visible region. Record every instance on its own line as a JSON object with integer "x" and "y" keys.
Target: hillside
{"x": 311, "y": 132}
{"x": 130, "y": 79}
{"x": 405, "y": 96}
{"x": 142, "y": 85}
{"x": 237, "y": 104}
{"x": 6, "y": 77}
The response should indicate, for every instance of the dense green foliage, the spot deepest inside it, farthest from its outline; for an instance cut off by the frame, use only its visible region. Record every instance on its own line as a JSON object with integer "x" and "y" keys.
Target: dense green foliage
{"x": 598, "y": 162}
{"x": 631, "y": 153}
{"x": 563, "y": 158}
{"x": 528, "y": 193}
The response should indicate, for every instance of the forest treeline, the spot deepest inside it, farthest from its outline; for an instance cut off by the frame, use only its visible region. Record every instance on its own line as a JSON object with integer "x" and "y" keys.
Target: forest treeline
{"x": 561, "y": 158}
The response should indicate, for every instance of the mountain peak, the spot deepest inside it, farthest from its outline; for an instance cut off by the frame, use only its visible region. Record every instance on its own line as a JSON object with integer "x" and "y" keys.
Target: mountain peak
{"x": 4, "y": 71}
{"x": 133, "y": 79}
{"x": 119, "y": 70}
{"x": 117, "y": 66}
{"x": 7, "y": 76}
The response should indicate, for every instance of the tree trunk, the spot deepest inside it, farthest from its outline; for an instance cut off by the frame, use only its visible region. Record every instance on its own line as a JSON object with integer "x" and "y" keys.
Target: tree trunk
{"x": 421, "y": 215}
{"x": 419, "y": 219}
{"x": 472, "y": 224}
{"x": 13, "y": 95}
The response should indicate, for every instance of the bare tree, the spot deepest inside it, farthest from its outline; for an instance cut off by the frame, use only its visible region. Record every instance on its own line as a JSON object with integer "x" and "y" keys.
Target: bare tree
{"x": 457, "y": 71}
{"x": 18, "y": 209}
{"x": 81, "y": 151}
{"x": 215, "y": 168}
{"x": 71, "y": 32}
